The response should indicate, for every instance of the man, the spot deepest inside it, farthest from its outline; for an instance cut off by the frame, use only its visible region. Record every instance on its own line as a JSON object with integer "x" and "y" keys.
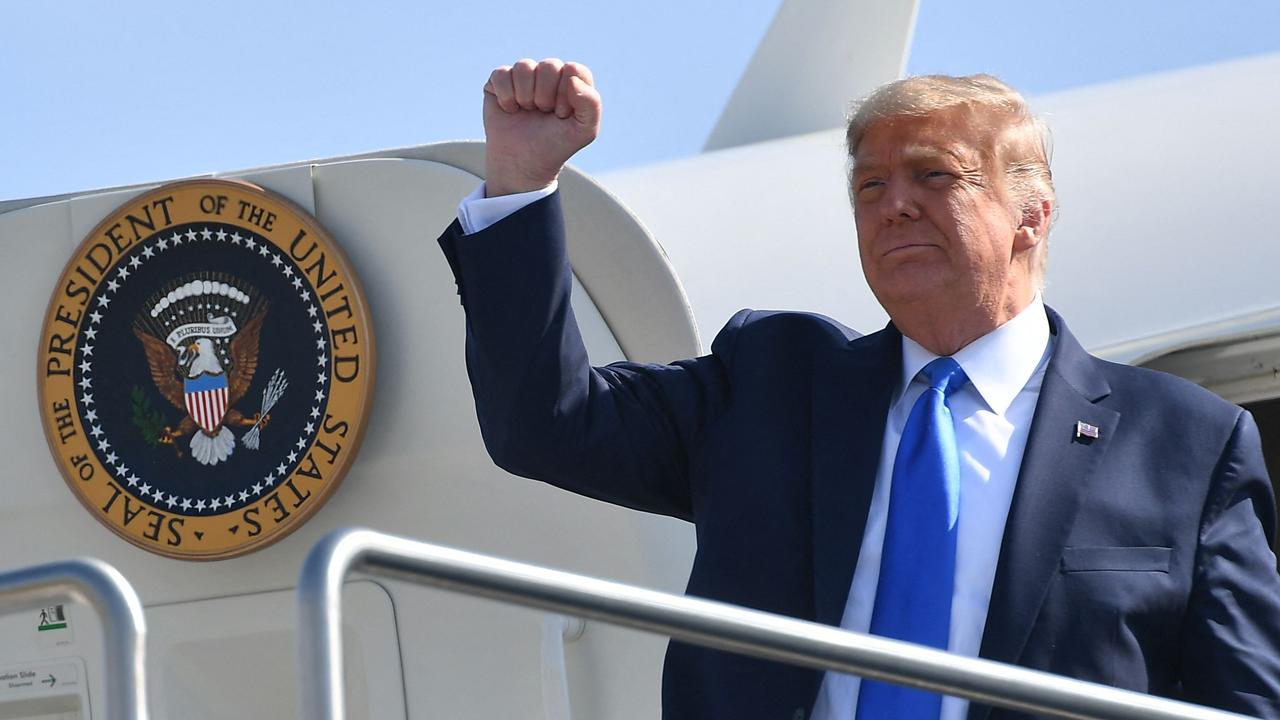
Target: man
{"x": 967, "y": 478}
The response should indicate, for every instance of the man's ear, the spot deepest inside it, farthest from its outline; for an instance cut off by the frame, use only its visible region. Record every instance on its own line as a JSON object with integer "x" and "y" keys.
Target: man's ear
{"x": 1034, "y": 227}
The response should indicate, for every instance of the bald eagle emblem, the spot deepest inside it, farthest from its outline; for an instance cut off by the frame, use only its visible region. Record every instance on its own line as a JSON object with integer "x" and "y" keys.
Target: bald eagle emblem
{"x": 200, "y": 335}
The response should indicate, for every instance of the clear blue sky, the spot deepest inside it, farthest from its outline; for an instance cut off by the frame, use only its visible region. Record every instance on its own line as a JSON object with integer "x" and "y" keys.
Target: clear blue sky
{"x": 99, "y": 94}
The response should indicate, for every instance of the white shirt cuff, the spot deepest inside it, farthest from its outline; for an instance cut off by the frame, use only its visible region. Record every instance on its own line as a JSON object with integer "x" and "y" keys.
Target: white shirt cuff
{"x": 477, "y": 212}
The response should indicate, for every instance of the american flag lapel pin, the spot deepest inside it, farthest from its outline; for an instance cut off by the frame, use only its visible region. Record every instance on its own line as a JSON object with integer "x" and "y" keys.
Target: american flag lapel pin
{"x": 1085, "y": 430}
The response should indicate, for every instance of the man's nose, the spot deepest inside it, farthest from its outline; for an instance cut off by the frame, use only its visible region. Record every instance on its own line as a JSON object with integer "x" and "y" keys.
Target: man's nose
{"x": 899, "y": 201}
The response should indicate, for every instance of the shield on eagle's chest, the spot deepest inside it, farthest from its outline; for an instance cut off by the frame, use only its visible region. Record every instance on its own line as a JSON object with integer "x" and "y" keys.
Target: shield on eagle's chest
{"x": 206, "y": 398}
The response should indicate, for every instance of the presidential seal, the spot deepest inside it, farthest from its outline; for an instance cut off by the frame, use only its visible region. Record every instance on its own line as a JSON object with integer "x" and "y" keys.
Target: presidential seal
{"x": 206, "y": 369}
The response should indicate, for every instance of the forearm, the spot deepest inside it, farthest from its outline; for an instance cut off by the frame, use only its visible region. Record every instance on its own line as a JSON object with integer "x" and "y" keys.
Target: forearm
{"x": 618, "y": 433}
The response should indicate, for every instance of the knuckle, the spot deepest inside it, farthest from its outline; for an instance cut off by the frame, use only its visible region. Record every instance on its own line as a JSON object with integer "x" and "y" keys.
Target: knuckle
{"x": 525, "y": 65}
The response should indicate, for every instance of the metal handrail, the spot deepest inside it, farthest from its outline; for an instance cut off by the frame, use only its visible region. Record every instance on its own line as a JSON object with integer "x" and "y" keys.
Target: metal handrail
{"x": 124, "y": 629}
{"x": 702, "y": 622}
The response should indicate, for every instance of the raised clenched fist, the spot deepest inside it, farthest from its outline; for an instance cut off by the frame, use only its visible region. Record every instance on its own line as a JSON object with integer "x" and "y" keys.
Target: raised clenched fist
{"x": 536, "y": 116}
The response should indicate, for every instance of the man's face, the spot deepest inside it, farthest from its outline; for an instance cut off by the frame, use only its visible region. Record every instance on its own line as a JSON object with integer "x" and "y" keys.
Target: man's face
{"x": 934, "y": 222}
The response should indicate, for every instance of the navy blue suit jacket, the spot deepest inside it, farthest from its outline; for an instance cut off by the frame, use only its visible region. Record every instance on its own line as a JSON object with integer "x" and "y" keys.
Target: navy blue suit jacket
{"x": 1140, "y": 559}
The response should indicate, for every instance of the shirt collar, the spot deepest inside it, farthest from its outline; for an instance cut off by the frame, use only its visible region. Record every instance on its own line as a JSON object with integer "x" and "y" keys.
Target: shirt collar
{"x": 998, "y": 364}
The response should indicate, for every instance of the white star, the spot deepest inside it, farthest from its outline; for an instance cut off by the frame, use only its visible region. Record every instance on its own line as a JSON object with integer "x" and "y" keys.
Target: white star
{"x": 311, "y": 310}
{"x": 122, "y": 470}
{"x": 270, "y": 478}
{"x": 236, "y": 238}
{"x": 191, "y": 235}
{"x": 228, "y": 500}
{"x": 176, "y": 239}
{"x": 297, "y": 283}
{"x": 148, "y": 252}
{"x": 293, "y": 457}
{"x": 171, "y": 500}
{"x": 163, "y": 244}
{"x": 91, "y": 334}
{"x": 112, "y": 286}
{"x": 92, "y": 416}
{"x": 249, "y": 243}
{"x": 320, "y": 378}
{"x": 104, "y": 301}
{"x": 302, "y": 294}
{"x": 86, "y": 399}
{"x": 215, "y": 504}
{"x": 132, "y": 480}
{"x": 96, "y": 431}
{"x": 263, "y": 251}
{"x": 103, "y": 445}
{"x": 317, "y": 326}
{"x": 257, "y": 488}
{"x": 85, "y": 366}
{"x": 310, "y": 428}
{"x": 288, "y": 271}
{"x": 124, "y": 273}
{"x": 321, "y": 360}
{"x": 205, "y": 234}
{"x": 186, "y": 503}
{"x": 320, "y": 344}
{"x": 199, "y": 504}
{"x": 88, "y": 350}
{"x": 320, "y": 395}
{"x": 244, "y": 495}
{"x": 145, "y": 489}
{"x": 302, "y": 442}
{"x": 315, "y": 412}
{"x": 95, "y": 316}
{"x": 112, "y": 458}
{"x": 222, "y": 234}
{"x": 134, "y": 262}
{"x": 275, "y": 260}
{"x": 85, "y": 382}
{"x": 281, "y": 468}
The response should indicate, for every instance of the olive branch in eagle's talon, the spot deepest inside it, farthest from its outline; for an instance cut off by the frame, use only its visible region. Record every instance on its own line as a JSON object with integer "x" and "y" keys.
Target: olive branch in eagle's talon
{"x": 146, "y": 417}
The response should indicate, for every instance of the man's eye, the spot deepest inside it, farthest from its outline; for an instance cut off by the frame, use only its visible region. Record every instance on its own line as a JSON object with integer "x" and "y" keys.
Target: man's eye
{"x": 934, "y": 174}
{"x": 870, "y": 185}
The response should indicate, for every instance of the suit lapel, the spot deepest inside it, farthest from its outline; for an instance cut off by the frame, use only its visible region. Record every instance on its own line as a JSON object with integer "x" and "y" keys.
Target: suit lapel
{"x": 851, "y": 392}
{"x": 1056, "y": 471}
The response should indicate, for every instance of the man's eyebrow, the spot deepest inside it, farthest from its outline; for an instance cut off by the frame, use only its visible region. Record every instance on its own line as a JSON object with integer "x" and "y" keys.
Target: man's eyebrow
{"x": 867, "y": 167}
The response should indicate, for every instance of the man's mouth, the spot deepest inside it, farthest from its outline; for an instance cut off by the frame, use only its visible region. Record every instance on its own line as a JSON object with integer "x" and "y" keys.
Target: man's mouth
{"x": 907, "y": 247}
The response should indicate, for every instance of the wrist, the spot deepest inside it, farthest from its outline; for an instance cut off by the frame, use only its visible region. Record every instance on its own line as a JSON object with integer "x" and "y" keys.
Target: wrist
{"x": 504, "y": 180}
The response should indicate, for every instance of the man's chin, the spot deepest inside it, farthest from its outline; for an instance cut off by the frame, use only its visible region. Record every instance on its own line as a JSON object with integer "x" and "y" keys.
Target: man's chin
{"x": 908, "y": 286}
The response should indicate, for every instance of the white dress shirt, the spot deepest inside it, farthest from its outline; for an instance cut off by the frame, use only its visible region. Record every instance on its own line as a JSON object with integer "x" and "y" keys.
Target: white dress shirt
{"x": 992, "y": 414}
{"x": 477, "y": 212}
{"x": 993, "y": 418}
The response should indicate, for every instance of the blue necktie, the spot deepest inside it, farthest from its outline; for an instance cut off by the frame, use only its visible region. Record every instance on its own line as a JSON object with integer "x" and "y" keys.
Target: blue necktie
{"x": 918, "y": 563}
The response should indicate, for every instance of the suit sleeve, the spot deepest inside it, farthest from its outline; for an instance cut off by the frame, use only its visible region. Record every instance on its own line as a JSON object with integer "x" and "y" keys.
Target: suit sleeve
{"x": 622, "y": 433}
{"x": 1231, "y": 648}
